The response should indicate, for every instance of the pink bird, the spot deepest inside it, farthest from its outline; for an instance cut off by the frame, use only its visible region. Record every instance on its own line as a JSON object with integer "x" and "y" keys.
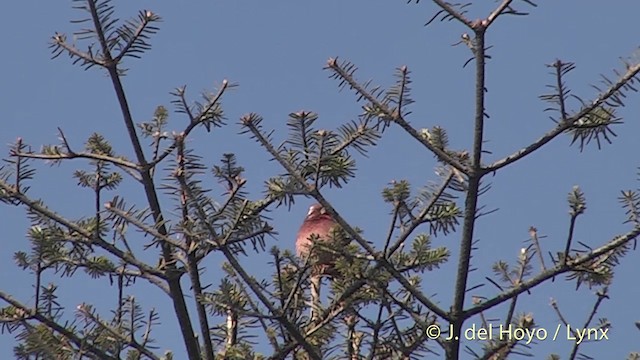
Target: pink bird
{"x": 320, "y": 223}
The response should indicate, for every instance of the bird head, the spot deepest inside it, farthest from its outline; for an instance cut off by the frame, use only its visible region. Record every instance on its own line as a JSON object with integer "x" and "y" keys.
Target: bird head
{"x": 316, "y": 211}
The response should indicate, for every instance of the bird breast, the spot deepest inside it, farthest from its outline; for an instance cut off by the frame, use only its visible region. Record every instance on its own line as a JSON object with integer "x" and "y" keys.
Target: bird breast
{"x": 320, "y": 225}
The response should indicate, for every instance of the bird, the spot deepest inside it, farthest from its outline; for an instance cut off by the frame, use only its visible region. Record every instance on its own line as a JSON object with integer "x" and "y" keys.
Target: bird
{"x": 318, "y": 225}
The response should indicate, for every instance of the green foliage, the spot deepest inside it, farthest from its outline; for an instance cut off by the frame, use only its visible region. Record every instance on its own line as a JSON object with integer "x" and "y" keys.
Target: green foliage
{"x": 598, "y": 271}
{"x": 577, "y": 201}
{"x": 433, "y": 205}
{"x": 18, "y": 168}
{"x": 63, "y": 251}
{"x": 381, "y": 105}
{"x": 42, "y": 342}
{"x": 514, "y": 276}
{"x": 315, "y": 154}
{"x": 398, "y": 192}
{"x": 101, "y": 178}
{"x": 207, "y": 112}
{"x": 127, "y": 39}
{"x": 155, "y": 127}
{"x": 595, "y": 125}
{"x": 593, "y": 121}
{"x": 422, "y": 257}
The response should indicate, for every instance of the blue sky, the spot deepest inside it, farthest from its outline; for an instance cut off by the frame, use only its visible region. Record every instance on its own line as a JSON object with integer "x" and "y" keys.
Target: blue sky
{"x": 276, "y": 51}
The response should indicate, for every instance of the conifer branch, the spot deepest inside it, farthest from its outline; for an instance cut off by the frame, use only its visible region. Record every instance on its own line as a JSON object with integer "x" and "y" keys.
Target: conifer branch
{"x": 82, "y": 155}
{"x": 136, "y": 38}
{"x": 60, "y": 45}
{"x": 248, "y": 121}
{"x": 88, "y": 236}
{"x": 191, "y": 260}
{"x": 194, "y": 120}
{"x": 471, "y": 200}
{"x": 261, "y": 317}
{"x": 79, "y": 342}
{"x": 386, "y": 281}
{"x": 386, "y": 113}
{"x": 631, "y": 73}
{"x": 550, "y": 273}
{"x": 172, "y": 274}
{"x": 420, "y": 218}
{"x": 85, "y": 311}
{"x": 497, "y": 12}
{"x": 144, "y": 227}
{"x": 255, "y": 288}
{"x": 454, "y": 13}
